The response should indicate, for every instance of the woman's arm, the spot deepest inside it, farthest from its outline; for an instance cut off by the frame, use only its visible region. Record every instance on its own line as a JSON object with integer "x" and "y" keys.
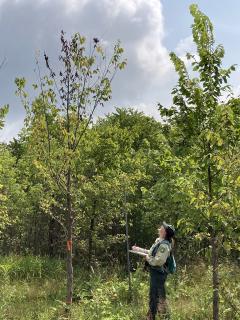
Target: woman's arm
{"x": 135, "y": 248}
{"x": 160, "y": 257}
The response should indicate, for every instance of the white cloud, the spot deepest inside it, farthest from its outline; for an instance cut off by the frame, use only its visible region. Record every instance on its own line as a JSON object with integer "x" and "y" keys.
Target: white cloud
{"x": 148, "y": 110}
{"x": 115, "y": 7}
{"x": 145, "y": 20}
{"x": 152, "y": 54}
{"x": 74, "y": 5}
{"x": 184, "y": 46}
{"x": 153, "y": 57}
{"x": 10, "y": 130}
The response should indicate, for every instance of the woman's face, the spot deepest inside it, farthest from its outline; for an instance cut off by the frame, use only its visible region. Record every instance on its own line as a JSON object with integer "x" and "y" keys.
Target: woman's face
{"x": 162, "y": 232}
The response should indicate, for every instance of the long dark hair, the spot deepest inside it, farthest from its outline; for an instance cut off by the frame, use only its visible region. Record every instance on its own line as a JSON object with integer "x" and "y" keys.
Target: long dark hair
{"x": 169, "y": 237}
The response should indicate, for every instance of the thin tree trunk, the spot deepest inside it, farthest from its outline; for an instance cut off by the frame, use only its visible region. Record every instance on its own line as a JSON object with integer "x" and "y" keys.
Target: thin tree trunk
{"x": 36, "y": 239}
{"x": 215, "y": 275}
{"x": 127, "y": 247}
{"x": 90, "y": 241}
{"x": 50, "y": 237}
{"x": 69, "y": 241}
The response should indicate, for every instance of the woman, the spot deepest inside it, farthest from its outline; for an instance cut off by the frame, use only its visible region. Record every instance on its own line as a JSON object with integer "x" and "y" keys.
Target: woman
{"x": 156, "y": 258}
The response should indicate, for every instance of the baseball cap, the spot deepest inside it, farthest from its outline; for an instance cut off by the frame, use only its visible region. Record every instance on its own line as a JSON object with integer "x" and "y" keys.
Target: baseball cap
{"x": 169, "y": 228}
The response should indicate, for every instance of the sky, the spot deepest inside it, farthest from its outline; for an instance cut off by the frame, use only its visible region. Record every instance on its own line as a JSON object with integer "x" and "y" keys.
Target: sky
{"x": 147, "y": 29}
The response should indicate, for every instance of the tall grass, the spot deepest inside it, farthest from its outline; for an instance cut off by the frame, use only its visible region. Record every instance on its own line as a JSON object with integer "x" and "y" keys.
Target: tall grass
{"x": 28, "y": 267}
{"x": 34, "y": 288}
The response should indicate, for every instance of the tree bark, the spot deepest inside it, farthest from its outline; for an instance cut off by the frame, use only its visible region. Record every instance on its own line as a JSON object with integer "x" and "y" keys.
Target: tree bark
{"x": 214, "y": 242}
{"x": 69, "y": 241}
{"x": 51, "y": 237}
{"x": 127, "y": 247}
{"x": 36, "y": 238}
{"x": 215, "y": 277}
{"x": 90, "y": 242}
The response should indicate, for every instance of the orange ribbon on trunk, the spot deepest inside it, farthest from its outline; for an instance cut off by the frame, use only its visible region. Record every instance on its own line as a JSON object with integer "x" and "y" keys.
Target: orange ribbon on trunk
{"x": 69, "y": 245}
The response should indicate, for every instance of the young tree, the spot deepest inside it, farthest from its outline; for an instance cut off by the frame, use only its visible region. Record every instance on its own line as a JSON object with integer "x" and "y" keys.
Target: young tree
{"x": 206, "y": 136}
{"x": 12, "y": 199}
{"x": 59, "y": 117}
{"x": 3, "y": 209}
{"x": 3, "y": 112}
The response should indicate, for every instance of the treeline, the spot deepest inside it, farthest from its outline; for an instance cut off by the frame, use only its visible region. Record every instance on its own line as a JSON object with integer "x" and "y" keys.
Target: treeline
{"x": 125, "y": 155}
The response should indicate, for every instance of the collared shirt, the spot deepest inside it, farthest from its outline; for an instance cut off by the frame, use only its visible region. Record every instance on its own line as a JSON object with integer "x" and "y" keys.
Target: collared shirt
{"x": 161, "y": 256}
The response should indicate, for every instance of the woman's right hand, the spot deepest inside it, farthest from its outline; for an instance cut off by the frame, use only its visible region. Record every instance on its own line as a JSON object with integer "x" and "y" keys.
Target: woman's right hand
{"x": 134, "y": 247}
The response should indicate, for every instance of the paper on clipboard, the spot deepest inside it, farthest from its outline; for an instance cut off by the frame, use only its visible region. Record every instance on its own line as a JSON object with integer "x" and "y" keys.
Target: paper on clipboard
{"x": 139, "y": 253}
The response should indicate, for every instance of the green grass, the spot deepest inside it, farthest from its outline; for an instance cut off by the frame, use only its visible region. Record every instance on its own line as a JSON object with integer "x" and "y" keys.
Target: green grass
{"x": 34, "y": 288}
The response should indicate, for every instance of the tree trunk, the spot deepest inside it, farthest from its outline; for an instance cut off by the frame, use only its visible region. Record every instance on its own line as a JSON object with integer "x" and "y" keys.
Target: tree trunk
{"x": 69, "y": 241}
{"x": 215, "y": 277}
{"x": 36, "y": 238}
{"x": 127, "y": 247}
{"x": 90, "y": 242}
{"x": 51, "y": 236}
{"x": 90, "y": 239}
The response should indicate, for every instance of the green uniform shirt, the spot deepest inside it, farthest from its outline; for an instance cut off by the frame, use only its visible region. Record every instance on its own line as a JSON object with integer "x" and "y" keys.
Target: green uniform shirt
{"x": 161, "y": 256}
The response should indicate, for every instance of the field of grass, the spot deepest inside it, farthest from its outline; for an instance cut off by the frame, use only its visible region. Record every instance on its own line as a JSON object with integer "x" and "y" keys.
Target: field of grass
{"x": 34, "y": 288}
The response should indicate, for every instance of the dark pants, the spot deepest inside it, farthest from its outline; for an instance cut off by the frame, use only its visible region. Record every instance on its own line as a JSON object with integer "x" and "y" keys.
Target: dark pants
{"x": 157, "y": 293}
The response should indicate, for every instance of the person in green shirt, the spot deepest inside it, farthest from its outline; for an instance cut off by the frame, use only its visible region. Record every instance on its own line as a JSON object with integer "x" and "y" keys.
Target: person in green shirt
{"x": 155, "y": 259}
